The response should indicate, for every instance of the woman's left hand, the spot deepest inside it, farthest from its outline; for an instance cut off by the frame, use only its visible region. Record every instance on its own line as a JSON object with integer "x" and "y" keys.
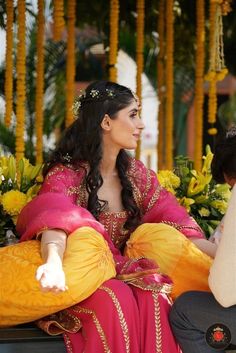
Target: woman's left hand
{"x": 51, "y": 278}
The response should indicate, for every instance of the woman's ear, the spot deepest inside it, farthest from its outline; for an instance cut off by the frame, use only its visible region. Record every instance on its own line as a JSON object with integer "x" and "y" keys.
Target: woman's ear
{"x": 106, "y": 123}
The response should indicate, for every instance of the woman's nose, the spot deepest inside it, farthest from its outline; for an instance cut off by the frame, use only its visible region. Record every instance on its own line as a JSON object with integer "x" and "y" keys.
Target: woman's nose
{"x": 141, "y": 125}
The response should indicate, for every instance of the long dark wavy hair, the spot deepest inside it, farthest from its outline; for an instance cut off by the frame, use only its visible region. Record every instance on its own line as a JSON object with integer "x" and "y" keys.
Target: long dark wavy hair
{"x": 82, "y": 142}
{"x": 224, "y": 160}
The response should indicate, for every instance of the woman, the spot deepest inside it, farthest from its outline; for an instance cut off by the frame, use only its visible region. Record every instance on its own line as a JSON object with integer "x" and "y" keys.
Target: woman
{"x": 91, "y": 169}
{"x": 201, "y": 321}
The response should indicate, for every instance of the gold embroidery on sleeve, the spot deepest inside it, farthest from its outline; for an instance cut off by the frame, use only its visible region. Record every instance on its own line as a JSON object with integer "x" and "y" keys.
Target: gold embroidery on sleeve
{"x": 179, "y": 226}
{"x": 136, "y": 193}
{"x": 132, "y": 167}
{"x": 148, "y": 184}
{"x": 154, "y": 198}
{"x": 157, "y": 323}
{"x": 123, "y": 322}
{"x": 73, "y": 190}
{"x": 82, "y": 195}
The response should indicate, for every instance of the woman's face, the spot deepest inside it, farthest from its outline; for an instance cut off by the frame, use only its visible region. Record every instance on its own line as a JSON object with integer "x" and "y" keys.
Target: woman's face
{"x": 125, "y": 130}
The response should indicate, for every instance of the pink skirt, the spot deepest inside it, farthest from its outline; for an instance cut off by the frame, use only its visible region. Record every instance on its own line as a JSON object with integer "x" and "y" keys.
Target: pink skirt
{"x": 119, "y": 318}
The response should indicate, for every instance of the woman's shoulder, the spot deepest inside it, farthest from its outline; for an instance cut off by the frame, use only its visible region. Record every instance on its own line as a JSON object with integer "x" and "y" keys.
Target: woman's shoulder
{"x": 66, "y": 170}
{"x": 63, "y": 178}
{"x": 141, "y": 175}
{"x": 138, "y": 169}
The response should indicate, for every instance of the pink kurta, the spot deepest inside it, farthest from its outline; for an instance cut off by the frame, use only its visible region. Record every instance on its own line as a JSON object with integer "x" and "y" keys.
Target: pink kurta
{"x": 117, "y": 318}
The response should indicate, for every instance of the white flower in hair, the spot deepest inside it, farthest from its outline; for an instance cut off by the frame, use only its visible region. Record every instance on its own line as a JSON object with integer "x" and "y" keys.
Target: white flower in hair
{"x": 110, "y": 93}
{"x": 94, "y": 93}
{"x": 75, "y": 107}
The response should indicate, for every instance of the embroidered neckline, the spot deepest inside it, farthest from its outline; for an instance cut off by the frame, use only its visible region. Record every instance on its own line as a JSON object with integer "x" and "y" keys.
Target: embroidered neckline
{"x": 116, "y": 213}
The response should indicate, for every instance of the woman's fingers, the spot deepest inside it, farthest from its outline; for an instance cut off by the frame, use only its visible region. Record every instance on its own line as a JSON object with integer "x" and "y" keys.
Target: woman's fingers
{"x": 51, "y": 279}
{"x": 39, "y": 272}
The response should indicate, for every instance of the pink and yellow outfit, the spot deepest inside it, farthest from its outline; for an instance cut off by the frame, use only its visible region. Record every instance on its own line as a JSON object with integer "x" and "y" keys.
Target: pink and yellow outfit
{"x": 129, "y": 312}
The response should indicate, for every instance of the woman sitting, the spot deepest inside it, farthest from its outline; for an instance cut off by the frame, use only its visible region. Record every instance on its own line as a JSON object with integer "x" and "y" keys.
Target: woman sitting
{"x": 92, "y": 185}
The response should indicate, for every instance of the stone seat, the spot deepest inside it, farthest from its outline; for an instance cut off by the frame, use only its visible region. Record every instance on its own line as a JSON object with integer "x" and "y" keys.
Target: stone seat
{"x": 28, "y": 338}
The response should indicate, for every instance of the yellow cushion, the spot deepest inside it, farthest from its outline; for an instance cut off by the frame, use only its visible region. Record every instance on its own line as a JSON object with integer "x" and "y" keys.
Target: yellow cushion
{"x": 88, "y": 262}
{"x": 176, "y": 256}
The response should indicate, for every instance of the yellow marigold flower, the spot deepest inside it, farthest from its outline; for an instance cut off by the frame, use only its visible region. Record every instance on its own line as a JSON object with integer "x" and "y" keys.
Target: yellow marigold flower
{"x": 212, "y": 131}
{"x": 221, "y": 75}
{"x": 13, "y": 201}
{"x": 168, "y": 180}
{"x": 204, "y": 212}
{"x": 210, "y": 76}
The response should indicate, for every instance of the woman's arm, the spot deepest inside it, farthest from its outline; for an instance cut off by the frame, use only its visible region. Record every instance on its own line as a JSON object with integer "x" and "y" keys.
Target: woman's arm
{"x": 205, "y": 246}
{"x": 51, "y": 275}
{"x": 160, "y": 206}
{"x": 56, "y": 206}
{"x": 222, "y": 279}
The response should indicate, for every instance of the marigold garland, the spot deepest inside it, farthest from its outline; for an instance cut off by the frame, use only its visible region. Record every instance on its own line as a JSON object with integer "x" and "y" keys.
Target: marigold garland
{"x": 169, "y": 83}
{"x": 39, "y": 82}
{"x": 199, "y": 80}
{"x": 217, "y": 70}
{"x": 139, "y": 54}
{"x": 160, "y": 84}
{"x": 20, "y": 85}
{"x": 58, "y": 19}
{"x": 225, "y": 6}
{"x": 9, "y": 63}
{"x": 70, "y": 63}
{"x": 114, "y": 25}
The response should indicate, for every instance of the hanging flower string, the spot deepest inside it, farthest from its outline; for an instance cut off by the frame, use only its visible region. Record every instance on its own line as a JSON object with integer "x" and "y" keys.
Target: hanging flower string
{"x": 114, "y": 24}
{"x": 139, "y": 54}
{"x": 58, "y": 19}
{"x": 20, "y": 86}
{"x": 160, "y": 84}
{"x": 9, "y": 63}
{"x": 139, "y": 46}
{"x": 39, "y": 83}
{"x": 217, "y": 70}
{"x": 70, "y": 63}
{"x": 199, "y": 81}
{"x": 212, "y": 74}
{"x": 169, "y": 83}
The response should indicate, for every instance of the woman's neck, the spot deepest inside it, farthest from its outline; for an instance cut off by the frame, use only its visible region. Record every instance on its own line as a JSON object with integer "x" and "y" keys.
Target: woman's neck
{"x": 108, "y": 168}
{"x": 108, "y": 165}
